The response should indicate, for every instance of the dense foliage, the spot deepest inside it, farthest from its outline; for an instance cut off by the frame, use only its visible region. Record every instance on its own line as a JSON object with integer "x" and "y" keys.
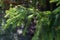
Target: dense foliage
{"x": 37, "y": 24}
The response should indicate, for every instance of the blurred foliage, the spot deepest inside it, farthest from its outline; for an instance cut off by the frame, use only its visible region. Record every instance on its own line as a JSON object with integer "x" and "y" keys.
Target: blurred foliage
{"x": 17, "y": 16}
{"x": 47, "y": 23}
